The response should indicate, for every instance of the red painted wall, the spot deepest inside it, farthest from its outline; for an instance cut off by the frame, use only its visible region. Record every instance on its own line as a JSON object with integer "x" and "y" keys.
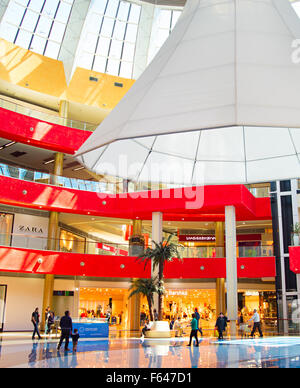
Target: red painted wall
{"x": 51, "y": 198}
{"x": 295, "y": 259}
{"x": 70, "y": 264}
{"x": 27, "y": 130}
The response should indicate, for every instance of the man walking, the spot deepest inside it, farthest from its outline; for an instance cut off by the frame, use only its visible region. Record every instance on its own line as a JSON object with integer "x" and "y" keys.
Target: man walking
{"x": 35, "y": 319}
{"x": 66, "y": 330}
{"x": 221, "y": 325}
{"x": 197, "y": 316}
{"x": 257, "y": 325}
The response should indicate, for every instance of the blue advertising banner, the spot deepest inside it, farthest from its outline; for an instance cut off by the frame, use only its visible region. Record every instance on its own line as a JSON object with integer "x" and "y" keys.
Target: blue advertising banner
{"x": 92, "y": 330}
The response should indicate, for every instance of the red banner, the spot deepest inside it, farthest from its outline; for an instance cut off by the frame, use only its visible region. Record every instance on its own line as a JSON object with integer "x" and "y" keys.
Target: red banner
{"x": 114, "y": 250}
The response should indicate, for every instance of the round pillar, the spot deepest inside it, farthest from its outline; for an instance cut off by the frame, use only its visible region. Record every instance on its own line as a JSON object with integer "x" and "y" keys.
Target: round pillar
{"x": 220, "y": 283}
{"x": 136, "y": 241}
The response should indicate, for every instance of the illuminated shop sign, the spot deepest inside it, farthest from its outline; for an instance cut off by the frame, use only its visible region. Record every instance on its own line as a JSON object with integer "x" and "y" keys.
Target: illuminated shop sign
{"x": 196, "y": 238}
{"x": 177, "y": 293}
{"x": 212, "y": 238}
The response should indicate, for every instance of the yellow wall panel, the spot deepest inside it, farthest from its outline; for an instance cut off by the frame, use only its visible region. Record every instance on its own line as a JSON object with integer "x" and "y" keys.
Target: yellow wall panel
{"x": 30, "y": 70}
{"x": 103, "y": 94}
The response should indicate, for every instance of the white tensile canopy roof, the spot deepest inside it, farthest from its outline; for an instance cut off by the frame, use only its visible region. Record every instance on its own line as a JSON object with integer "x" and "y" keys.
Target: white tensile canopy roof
{"x": 219, "y": 104}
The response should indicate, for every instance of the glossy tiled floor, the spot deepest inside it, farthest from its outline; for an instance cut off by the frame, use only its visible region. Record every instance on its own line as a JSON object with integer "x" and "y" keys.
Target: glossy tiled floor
{"x": 274, "y": 352}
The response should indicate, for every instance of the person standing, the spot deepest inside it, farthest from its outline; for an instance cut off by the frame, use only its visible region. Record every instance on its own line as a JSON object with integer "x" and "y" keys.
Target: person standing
{"x": 75, "y": 338}
{"x": 155, "y": 314}
{"x": 66, "y": 330}
{"x": 221, "y": 325}
{"x": 178, "y": 328}
{"x": 47, "y": 314}
{"x": 50, "y": 322}
{"x": 197, "y": 315}
{"x": 35, "y": 319}
{"x": 194, "y": 332}
{"x": 257, "y": 325}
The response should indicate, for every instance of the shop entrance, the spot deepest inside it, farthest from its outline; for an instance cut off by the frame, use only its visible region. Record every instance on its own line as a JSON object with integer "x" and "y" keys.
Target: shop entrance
{"x": 3, "y": 291}
{"x": 182, "y": 303}
{"x": 99, "y": 302}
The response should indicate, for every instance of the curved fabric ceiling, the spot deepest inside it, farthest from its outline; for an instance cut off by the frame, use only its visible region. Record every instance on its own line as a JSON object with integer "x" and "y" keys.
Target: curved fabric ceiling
{"x": 219, "y": 104}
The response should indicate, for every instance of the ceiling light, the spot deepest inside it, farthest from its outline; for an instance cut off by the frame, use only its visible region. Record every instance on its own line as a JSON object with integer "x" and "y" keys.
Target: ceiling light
{"x": 49, "y": 161}
{"x": 9, "y": 144}
{"x": 78, "y": 168}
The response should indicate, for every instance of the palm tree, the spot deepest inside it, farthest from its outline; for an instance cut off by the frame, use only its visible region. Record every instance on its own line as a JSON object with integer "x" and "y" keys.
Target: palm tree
{"x": 145, "y": 287}
{"x": 159, "y": 255}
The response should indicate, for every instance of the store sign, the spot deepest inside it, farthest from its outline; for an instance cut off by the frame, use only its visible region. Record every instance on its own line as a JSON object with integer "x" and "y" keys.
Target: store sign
{"x": 251, "y": 293}
{"x": 177, "y": 293}
{"x": 212, "y": 238}
{"x": 197, "y": 238}
{"x": 30, "y": 231}
{"x": 113, "y": 250}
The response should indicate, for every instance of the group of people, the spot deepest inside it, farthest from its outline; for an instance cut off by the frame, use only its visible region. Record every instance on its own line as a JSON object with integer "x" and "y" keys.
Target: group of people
{"x": 222, "y": 321}
{"x": 220, "y": 326}
{"x": 65, "y": 324}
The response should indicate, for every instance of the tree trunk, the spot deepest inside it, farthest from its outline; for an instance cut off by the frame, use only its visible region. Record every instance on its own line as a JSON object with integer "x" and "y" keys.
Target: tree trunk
{"x": 160, "y": 299}
{"x": 150, "y": 309}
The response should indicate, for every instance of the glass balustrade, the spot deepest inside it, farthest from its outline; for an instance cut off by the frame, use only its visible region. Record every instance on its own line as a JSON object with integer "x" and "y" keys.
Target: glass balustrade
{"x": 111, "y": 249}
{"x": 39, "y": 115}
{"x": 104, "y": 186}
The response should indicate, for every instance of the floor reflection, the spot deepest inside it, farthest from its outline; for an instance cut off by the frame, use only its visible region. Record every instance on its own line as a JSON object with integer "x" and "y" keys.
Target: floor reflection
{"x": 280, "y": 352}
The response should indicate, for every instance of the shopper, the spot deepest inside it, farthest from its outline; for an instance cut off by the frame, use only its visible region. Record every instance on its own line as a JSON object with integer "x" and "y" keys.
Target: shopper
{"x": 35, "y": 319}
{"x": 75, "y": 338}
{"x": 194, "y": 332}
{"x": 66, "y": 330}
{"x": 47, "y": 313}
{"x": 172, "y": 323}
{"x": 147, "y": 327}
{"x": 178, "y": 328}
{"x": 257, "y": 325}
{"x": 221, "y": 325}
{"x": 50, "y": 322}
{"x": 197, "y": 315}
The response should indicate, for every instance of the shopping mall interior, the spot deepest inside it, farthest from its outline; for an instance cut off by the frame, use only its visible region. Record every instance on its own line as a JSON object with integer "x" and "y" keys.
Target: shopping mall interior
{"x": 73, "y": 78}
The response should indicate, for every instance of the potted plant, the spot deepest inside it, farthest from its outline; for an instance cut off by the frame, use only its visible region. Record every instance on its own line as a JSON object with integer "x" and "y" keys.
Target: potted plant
{"x": 296, "y": 234}
{"x": 145, "y": 287}
{"x": 158, "y": 256}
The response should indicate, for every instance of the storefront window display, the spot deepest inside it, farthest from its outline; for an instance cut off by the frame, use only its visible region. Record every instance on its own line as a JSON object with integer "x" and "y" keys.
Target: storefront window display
{"x": 96, "y": 303}
{"x": 182, "y": 303}
{"x": 70, "y": 242}
{"x": 264, "y": 301}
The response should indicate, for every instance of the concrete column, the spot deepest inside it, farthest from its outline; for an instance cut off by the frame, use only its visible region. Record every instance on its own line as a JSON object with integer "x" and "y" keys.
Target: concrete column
{"x": 3, "y": 8}
{"x": 72, "y": 36}
{"x": 220, "y": 283}
{"x": 231, "y": 267}
{"x": 143, "y": 39}
{"x": 157, "y": 236}
{"x": 136, "y": 242}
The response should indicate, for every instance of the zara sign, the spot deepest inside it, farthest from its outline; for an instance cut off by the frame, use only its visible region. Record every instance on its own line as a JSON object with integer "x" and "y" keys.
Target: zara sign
{"x": 30, "y": 231}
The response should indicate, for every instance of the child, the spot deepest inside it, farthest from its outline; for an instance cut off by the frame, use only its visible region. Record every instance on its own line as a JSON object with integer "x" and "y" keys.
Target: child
{"x": 75, "y": 338}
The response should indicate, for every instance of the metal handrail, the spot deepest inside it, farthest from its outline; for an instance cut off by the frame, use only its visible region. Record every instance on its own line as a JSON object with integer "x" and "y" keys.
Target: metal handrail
{"x": 32, "y": 241}
{"x": 12, "y": 106}
{"x": 102, "y": 187}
